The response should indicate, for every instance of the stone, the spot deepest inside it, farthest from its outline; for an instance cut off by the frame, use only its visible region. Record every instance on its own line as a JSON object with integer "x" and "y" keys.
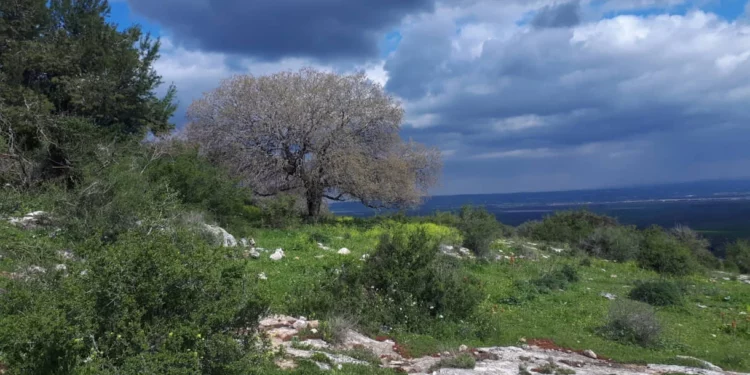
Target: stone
{"x": 608, "y": 296}
{"x": 463, "y": 348}
{"x": 276, "y": 321}
{"x": 252, "y": 254}
{"x": 702, "y": 306}
{"x": 281, "y": 334}
{"x": 316, "y": 343}
{"x": 300, "y": 325}
{"x": 244, "y": 243}
{"x": 313, "y": 324}
{"x": 704, "y": 364}
{"x": 32, "y": 220}
{"x": 323, "y": 247}
{"x": 65, "y": 254}
{"x": 344, "y": 251}
{"x": 590, "y": 353}
{"x": 277, "y": 255}
{"x": 353, "y": 339}
{"x": 224, "y": 238}
{"x": 61, "y": 267}
{"x": 262, "y": 276}
{"x": 36, "y": 269}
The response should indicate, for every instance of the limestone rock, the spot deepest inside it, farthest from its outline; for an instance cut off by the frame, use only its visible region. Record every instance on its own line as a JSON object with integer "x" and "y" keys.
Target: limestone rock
{"x": 277, "y": 255}
{"x": 32, "y": 220}
{"x": 344, "y": 251}
{"x": 705, "y": 364}
{"x": 590, "y": 353}
{"x": 224, "y": 238}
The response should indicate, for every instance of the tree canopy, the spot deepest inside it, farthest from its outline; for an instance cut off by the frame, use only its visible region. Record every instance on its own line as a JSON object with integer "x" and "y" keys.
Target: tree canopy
{"x": 317, "y": 134}
{"x": 69, "y": 77}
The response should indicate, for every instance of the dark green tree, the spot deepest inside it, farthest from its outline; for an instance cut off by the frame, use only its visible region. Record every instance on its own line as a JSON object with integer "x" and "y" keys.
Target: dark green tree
{"x": 69, "y": 82}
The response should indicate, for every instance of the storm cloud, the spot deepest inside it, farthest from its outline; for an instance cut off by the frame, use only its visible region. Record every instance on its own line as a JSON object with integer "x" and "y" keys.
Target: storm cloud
{"x": 281, "y": 28}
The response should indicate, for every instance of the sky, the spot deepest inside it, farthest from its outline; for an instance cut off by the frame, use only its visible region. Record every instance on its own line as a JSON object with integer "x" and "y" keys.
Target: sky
{"x": 519, "y": 95}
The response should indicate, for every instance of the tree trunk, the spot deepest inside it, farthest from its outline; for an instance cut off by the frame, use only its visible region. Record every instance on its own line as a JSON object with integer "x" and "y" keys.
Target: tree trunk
{"x": 314, "y": 200}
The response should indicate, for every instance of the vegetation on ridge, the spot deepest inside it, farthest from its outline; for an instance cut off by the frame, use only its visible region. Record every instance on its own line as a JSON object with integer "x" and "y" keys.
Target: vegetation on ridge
{"x": 124, "y": 271}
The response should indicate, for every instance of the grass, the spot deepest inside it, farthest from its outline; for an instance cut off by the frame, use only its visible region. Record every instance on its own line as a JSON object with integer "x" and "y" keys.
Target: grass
{"x": 568, "y": 317}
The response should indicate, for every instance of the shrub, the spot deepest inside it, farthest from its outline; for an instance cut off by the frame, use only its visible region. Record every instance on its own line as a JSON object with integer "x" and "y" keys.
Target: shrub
{"x": 405, "y": 282}
{"x": 738, "y": 253}
{"x": 665, "y": 254}
{"x": 281, "y": 211}
{"x": 144, "y": 304}
{"x": 201, "y": 185}
{"x": 632, "y": 322}
{"x": 613, "y": 242}
{"x": 657, "y": 293}
{"x": 557, "y": 279}
{"x": 698, "y": 246}
{"x": 479, "y": 228}
{"x": 566, "y": 226}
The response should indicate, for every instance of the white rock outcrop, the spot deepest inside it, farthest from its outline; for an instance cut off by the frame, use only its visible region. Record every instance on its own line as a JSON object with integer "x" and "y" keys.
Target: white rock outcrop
{"x": 224, "y": 237}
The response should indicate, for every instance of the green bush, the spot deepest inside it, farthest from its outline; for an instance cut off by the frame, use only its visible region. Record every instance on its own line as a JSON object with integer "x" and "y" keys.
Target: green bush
{"x": 657, "y": 293}
{"x": 202, "y": 186}
{"x": 738, "y": 253}
{"x": 281, "y": 211}
{"x": 557, "y": 279}
{"x": 405, "y": 283}
{"x": 158, "y": 303}
{"x": 632, "y": 322}
{"x": 698, "y": 245}
{"x": 566, "y": 226}
{"x": 617, "y": 243}
{"x": 479, "y": 228}
{"x": 665, "y": 254}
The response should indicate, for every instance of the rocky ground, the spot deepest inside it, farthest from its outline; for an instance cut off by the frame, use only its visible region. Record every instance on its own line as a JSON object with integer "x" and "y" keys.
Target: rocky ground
{"x": 300, "y": 339}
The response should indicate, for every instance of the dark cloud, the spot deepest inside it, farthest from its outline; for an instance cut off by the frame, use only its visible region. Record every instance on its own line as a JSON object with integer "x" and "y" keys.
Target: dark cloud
{"x": 558, "y": 15}
{"x": 272, "y": 29}
{"x": 616, "y": 101}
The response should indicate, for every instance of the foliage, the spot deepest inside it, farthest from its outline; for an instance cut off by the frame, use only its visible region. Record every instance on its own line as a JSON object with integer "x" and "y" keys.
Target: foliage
{"x": 556, "y": 280}
{"x": 657, "y": 293}
{"x": 566, "y": 226}
{"x": 324, "y": 135}
{"x": 632, "y": 322}
{"x": 405, "y": 283}
{"x": 665, "y": 254}
{"x": 617, "y": 243}
{"x": 202, "y": 186}
{"x": 280, "y": 211}
{"x": 479, "y": 228}
{"x": 71, "y": 81}
{"x": 144, "y": 304}
{"x": 738, "y": 253}
{"x": 698, "y": 246}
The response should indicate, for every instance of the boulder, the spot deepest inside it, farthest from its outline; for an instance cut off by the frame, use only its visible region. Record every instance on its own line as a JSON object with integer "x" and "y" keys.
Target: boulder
{"x": 344, "y": 251}
{"x": 224, "y": 238}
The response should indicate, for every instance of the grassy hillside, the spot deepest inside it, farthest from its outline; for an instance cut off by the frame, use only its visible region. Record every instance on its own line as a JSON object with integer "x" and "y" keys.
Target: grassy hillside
{"x": 711, "y": 322}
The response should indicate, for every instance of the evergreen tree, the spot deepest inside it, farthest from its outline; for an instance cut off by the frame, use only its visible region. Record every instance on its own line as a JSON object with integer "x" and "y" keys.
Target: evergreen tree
{"x": 70, "y": 80}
